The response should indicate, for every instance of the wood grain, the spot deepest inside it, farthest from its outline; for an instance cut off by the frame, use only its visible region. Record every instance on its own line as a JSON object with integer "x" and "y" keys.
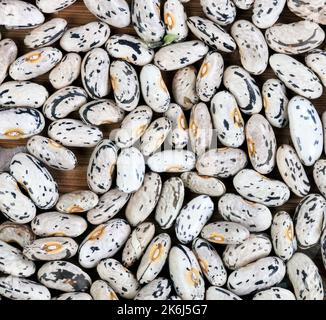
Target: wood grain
{"x": 77, "y": 14}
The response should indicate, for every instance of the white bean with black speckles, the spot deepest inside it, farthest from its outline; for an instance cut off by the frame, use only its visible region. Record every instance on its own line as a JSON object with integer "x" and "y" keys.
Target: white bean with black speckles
{"x": 103, "y": 242}
{"x": 14, "y": 205}
{"x": 261, "y": 274}
{"x": 85, "y": 37}
{"x": 114, "y": 12}
{"x": 266, "y": 12}
{"x": 100, "y": 290}
{"x": 244, "y": 88}
{"x": 64, "y": 101}
{"x": 15, "y": 14}
{"x": 35, "y": 63}
{"x": 154, "y": 90}
{"x": 210, "y": 76}
{"x": 100, "y": 112}
{"x": 211, "y": 34}
{"x": 252, "y": 46}
{"x": 133, "y": 126}
{"x": 179, "y": 55}
{"x": 186, "y": 274}
{"x": 101, "y": 166}
{"x": 144, "y": 200}
{"x": 170, "y": 202}
{"x": 261, "y": 143}
{"x": 77, "y": 201}
{"x": 130, "y": 170}
{"x": 15, "y": 288}
{"x": 316, "y": 61}
{"x": 309, "y": 10}
{"x": 48, "y": 249}
{"x": 74, "y": 133}
{"x": 275, "y": 103}
{"x": 310, "y": 220}
{"x": 22, "y": 94}
{"x": 14, "y": 263}
{"x": 223, "y": 12}
{"x": 200, "y": 129}
{"x": 305, "y": 278}
{"x": 227, "y": 119}
{"x": 64, "y": 276}
{"x": 108, "y": 206}
{"x": 32, "y": 175}
{"x": 210, "y": 186}
{"x": 137, "y": 242}
{"x": 51, "y": 153}
{"x": 221, "y": 162}
{"x": 95, "y": 73}
{"x": 66, "y": 71}
{"x": 224, "y": 232}
{"x": 155, "y": 136}
{"x": 154, "y": 258}
{"x": 129, "y": 48}
{"x": 56, "y": 224}
{"x": 172, "y": 161}
{"x": 257, "y": 246}
{"x": 274, "y": 293}
{"x": 20, "y": 123}
{"x": 175, "y": 19}
{"x": 184, "y": 87}
{"x": 210, "y": 262}
{"x": 255, "y": 187}
{"x": 292, "y": 170}
{"x": 296, "y": 76}
{"x": 283, "y": 237}
{"x": 8, "y": 54}
{"x": 193, "y": 217}
{"x": 46, "y": 34}
{"x": 178, "y": 137}
{"x": 217, "y": 293}
{"x": 125, "y": 85}
{"x": 254, "y": 216}
{"x": 295, "y": 38}
{"x": 20, "y": 234}
{"x": 54, "y": 5}
{"x": 146, "y": 20}
{"x": 319, "y": 173}
{"x": 158, "y": 289}
{"x": 122, "y": 281}
{"x": 306, "y": 130}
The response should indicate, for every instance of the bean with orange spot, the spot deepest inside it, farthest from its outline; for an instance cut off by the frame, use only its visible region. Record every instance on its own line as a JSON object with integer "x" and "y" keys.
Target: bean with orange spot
{"x": 283, "y": 245}
{"x": 210, "y": 76}
{"x": 103, "y": 242}
{"x": 35, "y": 63}
{"x": 210, "y": 262}
{"x": 77, "y": 201}
{"x": 224, "y": 232}
{"x": 154, "y": 258}
{"x": 186, "y": 274}
{"x": 49, "y": 249}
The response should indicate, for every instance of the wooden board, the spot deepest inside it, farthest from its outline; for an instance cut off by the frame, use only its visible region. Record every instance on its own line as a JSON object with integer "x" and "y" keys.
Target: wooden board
{"x": 76, "y": 15}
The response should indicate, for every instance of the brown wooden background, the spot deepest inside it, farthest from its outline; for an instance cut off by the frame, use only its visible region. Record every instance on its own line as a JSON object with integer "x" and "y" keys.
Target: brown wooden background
{"x": 77, "y": 14}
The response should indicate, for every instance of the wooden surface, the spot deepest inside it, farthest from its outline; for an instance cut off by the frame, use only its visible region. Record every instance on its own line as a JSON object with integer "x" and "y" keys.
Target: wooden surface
{"x": 77, "y": 14}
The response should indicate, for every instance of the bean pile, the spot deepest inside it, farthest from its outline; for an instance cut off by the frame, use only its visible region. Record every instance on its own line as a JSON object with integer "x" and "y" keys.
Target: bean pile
{"x": 185, "y": 194}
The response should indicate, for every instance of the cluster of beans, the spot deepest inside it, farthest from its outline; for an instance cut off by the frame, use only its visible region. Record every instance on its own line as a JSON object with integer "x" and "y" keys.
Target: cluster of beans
{"x": 188, "y": 182}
